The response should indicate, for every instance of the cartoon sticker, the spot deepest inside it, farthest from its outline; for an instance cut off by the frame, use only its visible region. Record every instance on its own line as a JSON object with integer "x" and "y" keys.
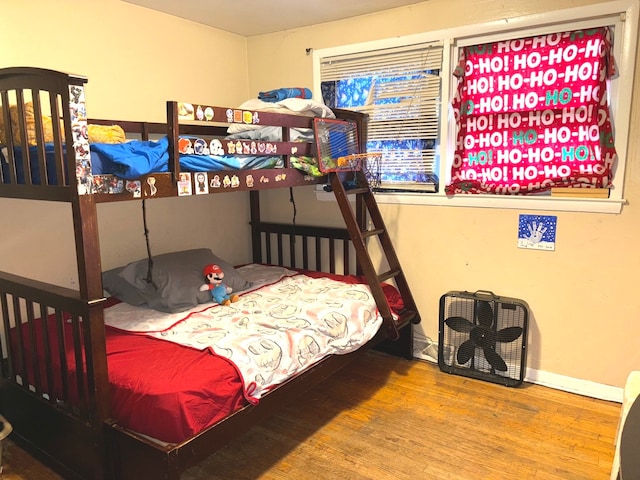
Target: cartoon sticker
{"x": 134, "y": 187}
{"x": 153, "y": 190}
{"x": 200, "y": 147}
{"x": 201, "y": 183}
{"x": 185, "y": 111}
{"x": 116, "y": 185}
{"x": 185, "y": 146}
{"x": 184, "y": 184}
{"x": 215, "y": 147}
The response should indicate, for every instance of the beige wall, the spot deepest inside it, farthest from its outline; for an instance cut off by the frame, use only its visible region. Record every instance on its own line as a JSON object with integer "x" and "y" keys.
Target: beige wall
{"x": 585, "y": 320}
{"x": 135, "y": 59}
{"x": 585, "y": 316}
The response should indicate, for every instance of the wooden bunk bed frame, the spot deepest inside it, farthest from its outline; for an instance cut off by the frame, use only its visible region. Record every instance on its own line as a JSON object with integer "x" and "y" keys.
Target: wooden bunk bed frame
{"x": 79, "y": 438}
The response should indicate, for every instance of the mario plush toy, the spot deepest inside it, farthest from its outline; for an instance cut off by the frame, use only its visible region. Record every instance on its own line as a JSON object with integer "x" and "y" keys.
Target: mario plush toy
{"x": 220, "y": 292}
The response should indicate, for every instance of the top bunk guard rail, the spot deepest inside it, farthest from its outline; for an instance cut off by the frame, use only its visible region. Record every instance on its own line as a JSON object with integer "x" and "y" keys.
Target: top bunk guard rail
{"x": 212, "y": 126}
{"x": 35, "y": 105}
{"x": 43, "y": 113}
{"x": 181, "y": 117}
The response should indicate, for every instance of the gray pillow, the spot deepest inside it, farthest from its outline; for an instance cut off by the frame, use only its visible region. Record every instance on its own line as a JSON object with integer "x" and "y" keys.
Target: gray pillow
{"x": 176, "y": 277}
{"x": 119, "y": 288}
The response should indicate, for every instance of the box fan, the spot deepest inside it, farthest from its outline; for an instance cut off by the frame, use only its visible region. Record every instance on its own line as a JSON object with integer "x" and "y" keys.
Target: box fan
{"x": 483, "y": 336}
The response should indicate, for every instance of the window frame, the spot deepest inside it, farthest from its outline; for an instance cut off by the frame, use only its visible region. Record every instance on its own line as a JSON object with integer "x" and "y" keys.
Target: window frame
{"x": 622, "y": 14}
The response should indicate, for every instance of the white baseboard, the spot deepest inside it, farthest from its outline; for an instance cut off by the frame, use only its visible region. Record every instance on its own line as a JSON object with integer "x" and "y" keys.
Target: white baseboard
{"x": 426, "y": 349}
{"x": 574, "y": 385}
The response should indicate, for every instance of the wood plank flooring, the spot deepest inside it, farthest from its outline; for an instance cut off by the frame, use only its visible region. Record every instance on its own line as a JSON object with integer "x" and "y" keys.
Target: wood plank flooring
{"x": 385, "y": 418}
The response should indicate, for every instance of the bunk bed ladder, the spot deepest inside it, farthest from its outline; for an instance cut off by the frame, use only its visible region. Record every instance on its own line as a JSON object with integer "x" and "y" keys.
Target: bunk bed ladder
{"x": 356, "y": 222}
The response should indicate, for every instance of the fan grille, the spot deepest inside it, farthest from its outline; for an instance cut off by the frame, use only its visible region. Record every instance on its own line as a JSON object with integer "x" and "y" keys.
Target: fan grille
{"x": 483, "y": 336}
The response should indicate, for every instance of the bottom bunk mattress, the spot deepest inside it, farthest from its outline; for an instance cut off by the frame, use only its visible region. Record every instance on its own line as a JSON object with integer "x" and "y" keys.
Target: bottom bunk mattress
{"x": 172, "y": 388}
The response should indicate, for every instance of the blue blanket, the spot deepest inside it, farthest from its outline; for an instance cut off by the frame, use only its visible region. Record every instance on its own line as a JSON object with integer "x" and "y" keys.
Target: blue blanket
{"x": 133, "y": 159}
{"x": 282, "y": 93}
{"x": 136, "y": 158}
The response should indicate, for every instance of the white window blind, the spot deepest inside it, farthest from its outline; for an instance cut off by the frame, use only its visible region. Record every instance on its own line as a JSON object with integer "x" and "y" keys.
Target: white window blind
{"x": 400, "y": 89}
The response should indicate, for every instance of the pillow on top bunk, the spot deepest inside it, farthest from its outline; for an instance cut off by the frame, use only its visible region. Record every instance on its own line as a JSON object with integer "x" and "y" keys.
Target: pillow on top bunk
{"x": 177, "y": 276}
{"x": 297, "y": 106}
{"x": 274, "y": 134}
{"x": 106, "y": 134}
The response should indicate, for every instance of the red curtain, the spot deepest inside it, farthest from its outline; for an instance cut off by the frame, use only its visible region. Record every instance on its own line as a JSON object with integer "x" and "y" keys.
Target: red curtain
{"x": 533, "y": 113}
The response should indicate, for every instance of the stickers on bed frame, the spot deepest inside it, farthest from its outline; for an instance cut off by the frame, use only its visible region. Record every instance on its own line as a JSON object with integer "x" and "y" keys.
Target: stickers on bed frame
{"x": 204, "y": 182}
{"x": 199, "y": 146}
{"x": 80, "y": 133}
{"x": 198, "y": 183}
{"x": 107, "y": 184}
{"x": 205, "y": 113}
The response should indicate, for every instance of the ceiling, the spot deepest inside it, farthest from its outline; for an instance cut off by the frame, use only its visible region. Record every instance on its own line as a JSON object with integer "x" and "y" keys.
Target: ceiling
{"x": 257, "y": 17}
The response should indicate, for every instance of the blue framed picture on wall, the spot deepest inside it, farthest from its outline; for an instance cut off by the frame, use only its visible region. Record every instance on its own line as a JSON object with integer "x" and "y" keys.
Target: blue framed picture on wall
{"x": 537, "y": 232}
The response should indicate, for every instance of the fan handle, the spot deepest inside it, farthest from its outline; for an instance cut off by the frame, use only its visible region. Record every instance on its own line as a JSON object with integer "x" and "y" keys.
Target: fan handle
{"x": 487, "y": 293}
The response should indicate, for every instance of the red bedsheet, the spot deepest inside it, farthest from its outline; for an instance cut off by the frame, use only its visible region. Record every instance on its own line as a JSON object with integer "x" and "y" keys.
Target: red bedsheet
{"x": 165, "y": 390}
{"x": 168, "y": 391}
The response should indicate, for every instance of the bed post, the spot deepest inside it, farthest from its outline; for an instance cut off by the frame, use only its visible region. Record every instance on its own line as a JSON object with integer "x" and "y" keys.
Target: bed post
{"x": 89, "y": 264}
{"x": 256, "y": 241}
{"x": 59, "y": 418}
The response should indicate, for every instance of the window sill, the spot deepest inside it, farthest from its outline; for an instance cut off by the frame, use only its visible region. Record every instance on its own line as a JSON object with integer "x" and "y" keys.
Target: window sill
{"x": 592, "y": 205}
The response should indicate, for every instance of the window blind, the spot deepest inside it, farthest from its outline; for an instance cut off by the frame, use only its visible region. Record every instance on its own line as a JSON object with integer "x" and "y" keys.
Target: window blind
{"x": 400, "y": 89}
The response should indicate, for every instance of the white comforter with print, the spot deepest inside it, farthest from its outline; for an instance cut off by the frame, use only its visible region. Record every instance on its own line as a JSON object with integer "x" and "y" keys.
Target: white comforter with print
{"x": 273, "y": 332}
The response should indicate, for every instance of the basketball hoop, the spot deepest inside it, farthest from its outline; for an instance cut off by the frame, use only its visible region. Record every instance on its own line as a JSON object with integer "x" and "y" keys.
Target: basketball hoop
{"x": 369, "y": 163}
{"x": 336, "y": 143}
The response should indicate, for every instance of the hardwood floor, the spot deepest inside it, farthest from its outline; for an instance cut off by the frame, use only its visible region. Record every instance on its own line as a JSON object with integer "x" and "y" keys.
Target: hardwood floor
{"x": 385, "y": 418}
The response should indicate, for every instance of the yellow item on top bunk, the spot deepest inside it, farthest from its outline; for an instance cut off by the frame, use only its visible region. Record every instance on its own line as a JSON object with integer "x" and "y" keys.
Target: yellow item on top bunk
{"x": 96, "y": 133}
{"x": 31, "y": 127}
{"x": 106, "y": 134}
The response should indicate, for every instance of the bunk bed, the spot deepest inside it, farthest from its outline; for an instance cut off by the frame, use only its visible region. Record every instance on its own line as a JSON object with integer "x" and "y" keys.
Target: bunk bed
{"x": 58, "y": 364}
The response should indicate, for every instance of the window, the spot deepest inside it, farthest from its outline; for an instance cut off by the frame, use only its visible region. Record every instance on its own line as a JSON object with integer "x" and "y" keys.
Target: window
{"x": 400, "y": 90}
{"x": 413, "y": 164}
{"x": 532, "y": 116}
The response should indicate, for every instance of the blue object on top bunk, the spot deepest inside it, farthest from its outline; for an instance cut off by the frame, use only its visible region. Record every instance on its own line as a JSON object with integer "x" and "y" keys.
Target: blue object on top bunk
{"x": 282, "y": 93}
{"x": 101, "y": 162}
{"x": 130, "y": 160}
{"x": 34, "y": 158}
{"x": 134, "y": 159}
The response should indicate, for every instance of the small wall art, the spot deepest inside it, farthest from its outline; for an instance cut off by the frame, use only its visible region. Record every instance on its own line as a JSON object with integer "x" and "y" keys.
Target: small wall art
{"x": 537, "y": 232}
